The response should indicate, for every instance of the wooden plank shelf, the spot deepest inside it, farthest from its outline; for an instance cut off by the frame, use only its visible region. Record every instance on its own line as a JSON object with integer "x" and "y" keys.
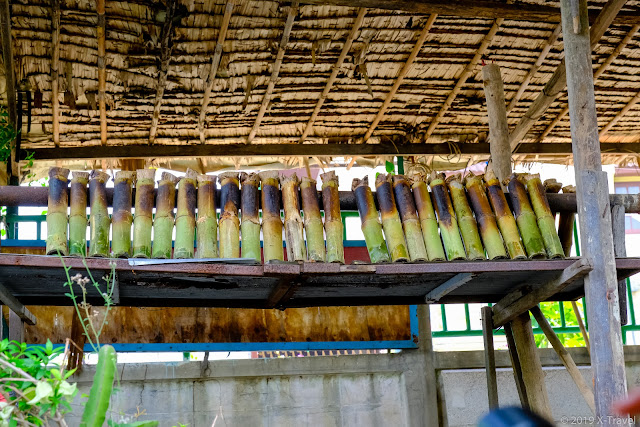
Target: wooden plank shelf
{"x": 38, "y": 280}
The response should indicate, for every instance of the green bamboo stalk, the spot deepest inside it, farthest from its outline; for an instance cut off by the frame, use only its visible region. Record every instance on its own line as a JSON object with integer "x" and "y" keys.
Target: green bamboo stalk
{"x": 313, "y": 227}
{"x": 333, "y": 226}
{"x": 565, "y": 224}
{"x": 271, "y": 222}
{"x": 446, "y": 218}
{"x": 506, "y": 221}
{"x": 371, "y": 226}
{"x": 78, "y": 214}
{"x": 57, "y": 211}
{"x": 489, "y": 231}
{"x": 293, "y": 227}
{"x": 229, "y": 221}
{"x": 525, "y": 217}
{"x": 546, "y": 220}
{"x": 122, "y": 219}
{"x": 99, "y": 220}
{"x": 143, "y": 218}
{"x": 428, "y": 220}
{"x": 250, "y": 226}
{"x": 186, "y": 217}
{"x": 164, "y": 219}
{"x": 466, "y": 222}
{"x": 391, "y": 224}
{"x": 207, "y": 224}
{"x": 410, "y": 222}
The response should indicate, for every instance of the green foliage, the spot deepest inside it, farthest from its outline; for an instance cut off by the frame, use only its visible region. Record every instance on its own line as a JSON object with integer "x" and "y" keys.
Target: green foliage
{"x": 34, "y": 388}
{"x": 551, "y": 311}
{"x": 110, "y": 423}
{"x": 389, "y": 167}
{"x": 7, "y": 135}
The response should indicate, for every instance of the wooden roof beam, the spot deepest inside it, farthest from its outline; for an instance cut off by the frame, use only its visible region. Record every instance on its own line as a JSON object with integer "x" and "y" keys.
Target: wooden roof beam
{"x": 473, "y": 9}
{"x": 403, "y": 72}
{"x": 558, "y": 81}
{"x": 620, "y": 115}
{"x": 102, "y": 70}
{"x": 55, "y": 65}
{"x": 293, "y": 11}
{"x": 486, "y": 42}
{"x": 213, "y": 71}
{"x": 166, "y": 45}
{"x": 334, "y": 72}
{"x": 601, "y": 69}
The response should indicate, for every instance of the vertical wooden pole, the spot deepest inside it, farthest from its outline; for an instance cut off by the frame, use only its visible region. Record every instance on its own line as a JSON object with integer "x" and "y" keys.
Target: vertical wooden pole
{"x": 594, "y": 214}
{"x": 489, "y": 357}
{"x": 431, "y": 411}
{"x": 102, "y": 70}
{"x": 620, "y": 251}
{"x": 517, "y": 368}
{"x": 16, "y": 327}
{"x": 55, "y": 63}
{"x": 498, "y": 127}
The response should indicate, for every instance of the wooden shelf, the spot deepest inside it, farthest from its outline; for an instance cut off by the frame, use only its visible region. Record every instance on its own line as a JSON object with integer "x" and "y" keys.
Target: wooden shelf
{"x": 38, "y": 280}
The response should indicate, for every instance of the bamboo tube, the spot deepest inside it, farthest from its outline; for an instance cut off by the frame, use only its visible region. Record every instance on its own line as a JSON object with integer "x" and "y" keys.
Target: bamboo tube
{"x": 57, "y": 211}
{"x": 313, "y": 227}
{"x": 164, "y": 220}
{"x": 143, "y": 218}
{"x": 489, "y": 231}
{"x": 122, "y": 219}
{"x": 446, "y": 218}
{"x": 78, "y": 214}
{"x": 466, "y": 221}
{"x": 229, "y": 221}
{"x": 552, "y": 185}
{"x": 271, "y": 222}
{"x": 371, "y": 227}
{"x": 546, "y": 220}
{"x": 506, "y": 221}
{"x": 391, "y": 223}
{"x": 332, "y": 219}
{"x": 250, "y": 206}
{"x": 428, "y": 221}
{"x": 207, "y": 224}
{"x": 293, "y": 227}
{"x": 565, "y": 225}
{"x": 186, "y": 216}
{"x": 525, "y": 217}
{"x": 99, "y": 220}
{"x": 410, "y": 222}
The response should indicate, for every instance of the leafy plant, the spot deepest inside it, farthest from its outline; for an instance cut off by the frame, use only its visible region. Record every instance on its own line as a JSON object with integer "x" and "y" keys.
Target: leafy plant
{"x": 551, "y": 311}
{"x": 8, "y": 134}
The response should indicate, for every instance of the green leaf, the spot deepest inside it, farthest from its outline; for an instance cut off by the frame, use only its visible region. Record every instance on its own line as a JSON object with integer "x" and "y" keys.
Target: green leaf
{"x": 43, "y": 391}
{"x": 49, "y": 346}
{"x": 389, "y": 167}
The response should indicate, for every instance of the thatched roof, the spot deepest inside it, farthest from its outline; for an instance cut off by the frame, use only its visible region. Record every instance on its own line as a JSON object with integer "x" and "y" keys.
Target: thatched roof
{"x": 136, "y": 33}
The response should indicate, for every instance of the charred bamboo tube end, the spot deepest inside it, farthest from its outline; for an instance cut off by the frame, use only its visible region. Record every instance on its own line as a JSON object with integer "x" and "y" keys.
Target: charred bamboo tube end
{"x": 409, "y": 217}
{"x": 371, "y": 227}
{"x": 485, "y": 217}
{"x": 78, "y": 213}
{"x": 391, "y": 224}
{"x": 428, "y": 220}
{"x": 99, "y": 219}
{"x": 313, "y": 225}
{"x": 293, "y": 226}
{"x": 332, "y": 219}
{"x": 526, "y": 218}
{"x": 552, "y": 186}
{"x": 164, "y": 220}
{"x": 447, "y": 221}
{"x": 250, "y": 207}
{"x": 122, "y": 218}
{"x": 185, "y": 216}
{"x": 546, "y": 219}
{"x": 466, "y": 221}
{"x": 57, "y": 220}
{"x": 206, "y": 224}
{"x": 271, "y": 221}
{"x": 143, "y": 218}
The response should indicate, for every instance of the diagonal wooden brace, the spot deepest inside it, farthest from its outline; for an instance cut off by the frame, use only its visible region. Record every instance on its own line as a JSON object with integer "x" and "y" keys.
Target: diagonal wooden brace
{"x": 447, "y": 287}
{"x": 16, "y": 306}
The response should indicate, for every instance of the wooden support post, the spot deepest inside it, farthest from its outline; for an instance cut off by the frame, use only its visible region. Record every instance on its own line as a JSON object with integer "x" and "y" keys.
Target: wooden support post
{"x": 489, "y": 357}
{"x": 620, "y": 251}
{"x": 102, "y": 70}
{"x": 517, "y": 367}
{"x": 13, "y": 168}
{"x": 498, "y": 127}
{"x": 431, "y": 409}
{"x": 16, "y": 327}
{"x": 594, "y": 214}
{"x": 55, "y": 65}
{"x": 565, "y": 357}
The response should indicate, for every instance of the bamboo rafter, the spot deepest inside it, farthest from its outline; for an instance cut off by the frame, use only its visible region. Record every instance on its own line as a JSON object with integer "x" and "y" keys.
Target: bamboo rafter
{"x": 55, "y": 63}
{"x": 620, "y": 115}
{"x": 102, "y": 71}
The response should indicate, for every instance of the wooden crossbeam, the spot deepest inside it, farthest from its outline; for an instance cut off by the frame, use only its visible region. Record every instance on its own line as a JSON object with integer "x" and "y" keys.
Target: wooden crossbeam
{"x": 16, "y": 306}
{"x": 486, "y": 41}
{"x": 334, "y": 72}
{"x": 601, "y": 69}
{"x": 293, "y": 11}
{"x": 620, "y": 115}
{"x": 449, "y": 286}
{"x": 102, "y": 70}
{"x": 546, "y": 48}
{"x": 403, "y": 72}
{"x": 166, "y": 45}
{"x": 55, "y": 65}
{"x": 213, "y": 71}
{"x": 472, "y": 9}
{"x": 558, "y": 80}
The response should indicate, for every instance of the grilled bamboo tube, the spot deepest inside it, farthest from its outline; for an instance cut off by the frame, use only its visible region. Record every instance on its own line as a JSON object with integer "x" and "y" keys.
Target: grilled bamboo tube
{"x": 313, "y": 227}
{"x": 332, "y": 219}
{"x": 552, "y": 185}
{"x": 293, "y": 227}
{"x": 186, "y": 216}
{"x": 164, "y": 220}
{"x": 143, "y": 219}
{"x": 446, "y": 218}
{"x": 229, "y": 221}
{"x": 546, "y": 220}
{"x": 506, "y": 221}
{"x": 122, "y": 219}
{"x": 489, "y": 231}
{"x": 525, "y": 217}
{"x": 99, "y": 220}
{"x": 250, "y": 226}
{"x": 391, "y": 223}
{"x": 78, "y": 214}
{"x": 57, "y": 211}
{"x": 207, "y": 224}
{"x": 565, "y": 224}
{"x": 271, "y": 222}
{"x": 410, "y": 222}
{"x": 371, "y": 227}
{"x": 466, "y": 221}
{"x": 428, "y": 221}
